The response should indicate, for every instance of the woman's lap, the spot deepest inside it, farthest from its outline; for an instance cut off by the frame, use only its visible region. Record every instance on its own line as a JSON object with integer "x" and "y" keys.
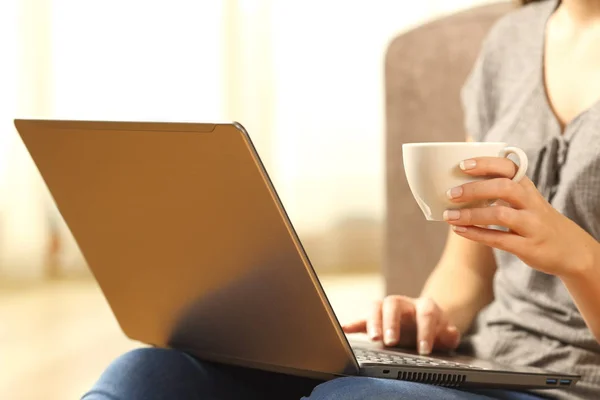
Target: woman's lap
{"x": 355, "y": 388}
{"x": 156, "y": 374}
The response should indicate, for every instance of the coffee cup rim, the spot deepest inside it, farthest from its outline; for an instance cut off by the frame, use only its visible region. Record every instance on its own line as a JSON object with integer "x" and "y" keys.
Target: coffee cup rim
{"x": 450, "y": 144}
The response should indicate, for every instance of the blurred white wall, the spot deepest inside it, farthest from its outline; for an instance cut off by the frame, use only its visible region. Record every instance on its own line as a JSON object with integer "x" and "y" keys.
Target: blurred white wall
{"x": 25, "y": 46}
{"x": 305, "y": 78}
{"x": 8, "y": 91}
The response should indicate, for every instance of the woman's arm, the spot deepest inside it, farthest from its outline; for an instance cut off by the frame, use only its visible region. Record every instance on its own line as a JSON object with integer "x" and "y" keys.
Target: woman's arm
{"x": 459, "y": 286}
{"x": 461, "y": 283}
{"x": 538, "y": 234}
{"x": 583, "y": 284}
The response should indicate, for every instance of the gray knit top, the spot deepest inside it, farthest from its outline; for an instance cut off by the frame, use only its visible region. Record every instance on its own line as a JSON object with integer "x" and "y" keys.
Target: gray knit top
{"x": 533, "y": 320}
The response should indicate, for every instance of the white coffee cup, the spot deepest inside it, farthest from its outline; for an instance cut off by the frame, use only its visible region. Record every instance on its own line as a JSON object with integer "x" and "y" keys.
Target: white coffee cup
{"x": 433, "y": 168}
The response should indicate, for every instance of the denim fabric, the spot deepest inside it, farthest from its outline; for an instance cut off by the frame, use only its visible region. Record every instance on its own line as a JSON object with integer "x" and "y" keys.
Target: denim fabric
{"x": 159, "y": 374}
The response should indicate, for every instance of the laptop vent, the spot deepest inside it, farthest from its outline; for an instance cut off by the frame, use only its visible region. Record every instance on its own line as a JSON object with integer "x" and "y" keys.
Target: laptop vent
{"x": 448, "y": 380}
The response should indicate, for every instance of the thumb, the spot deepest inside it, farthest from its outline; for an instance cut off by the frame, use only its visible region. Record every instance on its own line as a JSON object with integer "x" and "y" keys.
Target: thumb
{"x": 448, "y": 338}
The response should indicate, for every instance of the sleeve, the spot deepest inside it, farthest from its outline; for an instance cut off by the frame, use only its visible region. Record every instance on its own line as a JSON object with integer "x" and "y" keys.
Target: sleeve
{"x": 492, "y": 77}
{"x": 477, "y": 95}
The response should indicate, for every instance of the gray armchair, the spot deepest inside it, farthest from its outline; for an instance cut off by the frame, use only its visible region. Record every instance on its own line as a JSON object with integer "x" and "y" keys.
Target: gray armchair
{"x": 424, "y": 72}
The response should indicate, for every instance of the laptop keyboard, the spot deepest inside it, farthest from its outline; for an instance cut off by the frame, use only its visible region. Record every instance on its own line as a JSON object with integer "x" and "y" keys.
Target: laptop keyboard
{"x": 380, "y": 357}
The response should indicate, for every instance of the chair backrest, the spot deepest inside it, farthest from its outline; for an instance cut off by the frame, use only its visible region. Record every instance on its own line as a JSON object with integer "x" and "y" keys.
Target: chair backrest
{"x": 424, "y": 71}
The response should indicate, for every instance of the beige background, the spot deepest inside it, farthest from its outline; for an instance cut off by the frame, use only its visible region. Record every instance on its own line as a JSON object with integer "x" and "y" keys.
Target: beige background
{"x": 306, "y": 79}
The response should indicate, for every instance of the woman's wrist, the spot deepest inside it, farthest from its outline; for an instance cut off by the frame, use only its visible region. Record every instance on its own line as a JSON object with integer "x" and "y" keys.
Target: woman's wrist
{"x": 584, "y": 265}
{"x": 582, "y": 281}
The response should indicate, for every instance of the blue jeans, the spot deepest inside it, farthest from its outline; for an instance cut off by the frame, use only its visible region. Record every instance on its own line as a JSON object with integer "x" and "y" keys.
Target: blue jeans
{"x": 157, "y": 374}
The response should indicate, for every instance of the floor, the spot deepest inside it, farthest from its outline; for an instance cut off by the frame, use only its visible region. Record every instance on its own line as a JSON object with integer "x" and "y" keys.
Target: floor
{"x": 57, "y": 337}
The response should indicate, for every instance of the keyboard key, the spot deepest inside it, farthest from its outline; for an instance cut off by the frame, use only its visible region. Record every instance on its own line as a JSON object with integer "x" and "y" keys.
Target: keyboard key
{"x": 377, "y": 357}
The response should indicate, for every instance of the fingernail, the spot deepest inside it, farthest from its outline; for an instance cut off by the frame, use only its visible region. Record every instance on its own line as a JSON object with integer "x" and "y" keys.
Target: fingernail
{"x": 460, "y": 229}
{"x": 454, "y": 192}
{"x": 453, "y": 330}
{"x": 373, "y": 334}
{"x": 467, "y": 164}
{"x": 424, "y": 347}
{"x": 457, "y": 342}
{"x": 451, "y": 215}
{"x": 389, "y": 337}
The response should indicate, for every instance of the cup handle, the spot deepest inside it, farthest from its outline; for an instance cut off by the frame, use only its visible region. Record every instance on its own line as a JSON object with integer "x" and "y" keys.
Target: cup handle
{"x": 523, "y": 161}
{"x": 522, "y": 168}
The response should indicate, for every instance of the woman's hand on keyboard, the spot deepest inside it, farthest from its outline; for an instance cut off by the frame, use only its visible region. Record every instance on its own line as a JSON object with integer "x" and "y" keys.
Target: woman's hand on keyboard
{"x": 405, "y": 321}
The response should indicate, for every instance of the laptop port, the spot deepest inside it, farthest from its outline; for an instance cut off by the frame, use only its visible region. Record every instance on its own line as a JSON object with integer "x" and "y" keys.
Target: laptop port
{"x": 551, "y": 381}
{"x": 565, "y": 382}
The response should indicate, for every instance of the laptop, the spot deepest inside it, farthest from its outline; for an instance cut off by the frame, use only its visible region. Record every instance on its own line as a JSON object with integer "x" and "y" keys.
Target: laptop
{"x": 185, "y": 234}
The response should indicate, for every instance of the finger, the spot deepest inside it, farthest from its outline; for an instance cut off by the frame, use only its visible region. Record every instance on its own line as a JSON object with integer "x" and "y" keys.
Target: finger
{"x": 528, "y": 184}
{"x": 394, "y": 307}
{"x": 428, "y": 318}
{"x": 359, "y": 326}
{"x": 391, "y": 321}
{"x": 490, "y": 166}
{"x": 448, "y": 338}
{"x": 515, "y": 220}
{"x": 374, "y": 321}
{"x": 490, "y": 189}
{"x": 506, "y": 241}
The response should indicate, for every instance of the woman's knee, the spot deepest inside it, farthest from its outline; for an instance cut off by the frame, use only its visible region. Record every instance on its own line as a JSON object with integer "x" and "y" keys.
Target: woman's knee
{"x": 148, "y": 373}
{"x": 150, "y": 363}
{"x": 361, "y": 388}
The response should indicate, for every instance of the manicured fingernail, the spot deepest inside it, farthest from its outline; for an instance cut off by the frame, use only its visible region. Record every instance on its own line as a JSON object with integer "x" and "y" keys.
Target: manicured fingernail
{"x": 453, "y": 330}
{"x": 457, "y": 342}
{"x": 389, "y": 337}
{"x": 460, "y": 229}
{"x": 451, "y": 215}
{"x": 454, "y": 192}
{"x": 467, "y": 164}
{"x": 373, "y": 334}
{"x": 424, "y": 348}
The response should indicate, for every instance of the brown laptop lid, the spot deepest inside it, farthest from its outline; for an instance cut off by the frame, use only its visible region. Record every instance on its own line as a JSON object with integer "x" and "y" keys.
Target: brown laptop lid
{"x": 188, "y": 241}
